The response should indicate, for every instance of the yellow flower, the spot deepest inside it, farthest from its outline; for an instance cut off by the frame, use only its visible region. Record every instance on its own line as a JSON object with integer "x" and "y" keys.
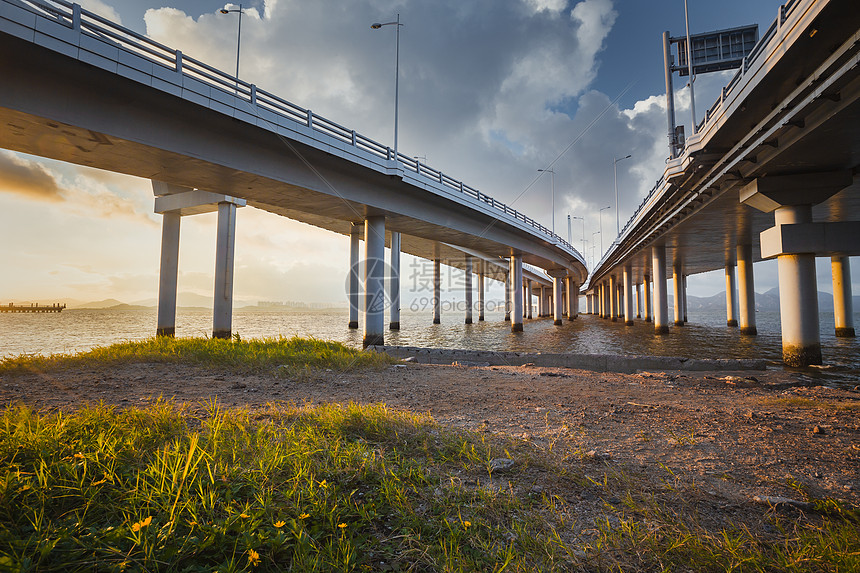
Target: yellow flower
{"x": 244, "y": 516}
{"x": 304, "y": 516}
{"x": 253, "y": 557}
{"x": 141, "y": 524}
{"x": 323, "y": 484}
{"x": 467, "y": 524}
{"x": 279, "y": 524}
{"x": 341, "y": 525}
{"x": 79, "y": 456}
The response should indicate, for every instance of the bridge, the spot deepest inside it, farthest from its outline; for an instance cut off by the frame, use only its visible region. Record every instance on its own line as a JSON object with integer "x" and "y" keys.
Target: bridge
{"x": 782, "y": 138}
{"x": 85, "y": 90}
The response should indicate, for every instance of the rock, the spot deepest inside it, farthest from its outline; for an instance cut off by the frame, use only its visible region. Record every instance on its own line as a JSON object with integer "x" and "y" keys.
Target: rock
{"x": 818, "y": 430}
{"x": 237, "y": 385}
{"x": 501, "y": 465}
{"x": 777, "y": 501}
{"x": 399, "y": 367}
{"x": 409, "y": 359}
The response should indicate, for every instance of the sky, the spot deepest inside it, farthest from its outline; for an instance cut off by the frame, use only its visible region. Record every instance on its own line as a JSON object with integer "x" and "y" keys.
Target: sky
{"x": 490, "y": 92}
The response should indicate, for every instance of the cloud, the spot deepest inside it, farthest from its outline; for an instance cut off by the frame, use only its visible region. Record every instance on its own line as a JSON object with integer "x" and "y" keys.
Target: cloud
{"x": 28, "y": 178}
{"x": 102, "y": 9}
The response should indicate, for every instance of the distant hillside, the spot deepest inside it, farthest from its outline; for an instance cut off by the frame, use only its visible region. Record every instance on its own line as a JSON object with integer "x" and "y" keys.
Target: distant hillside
{"x": 106, "y": 303}
{"x": 764, "y": 301}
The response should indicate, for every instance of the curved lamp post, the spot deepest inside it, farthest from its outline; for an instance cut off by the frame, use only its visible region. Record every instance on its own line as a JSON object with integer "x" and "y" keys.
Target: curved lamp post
{"x": 239, "y": 36}
{"x": 615, "y": 169}
{"x": 377, "y": 26}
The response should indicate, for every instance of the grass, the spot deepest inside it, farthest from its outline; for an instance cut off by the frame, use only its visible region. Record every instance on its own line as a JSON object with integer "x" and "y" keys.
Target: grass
{"x": 353, "y": 488}
{"x": 274, "y": 355}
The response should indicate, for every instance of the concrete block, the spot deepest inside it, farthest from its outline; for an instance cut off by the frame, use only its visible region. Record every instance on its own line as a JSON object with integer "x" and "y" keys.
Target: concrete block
{"x": 97, "y": 60}
{"x": 135, "y": 62}
{"x": 134, "y": 74}
{"x": 822, "y": 239}
{"x": 168, "y": 87}
{"x": 195, "y": 97}
{"x": 17, "y": 29}
{"x": 57, "y": 44}
{"x": 57, "y": 31}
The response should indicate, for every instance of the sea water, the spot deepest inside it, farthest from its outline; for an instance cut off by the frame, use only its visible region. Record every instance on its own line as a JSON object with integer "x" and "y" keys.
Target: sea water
{"x": 705, "y": 336}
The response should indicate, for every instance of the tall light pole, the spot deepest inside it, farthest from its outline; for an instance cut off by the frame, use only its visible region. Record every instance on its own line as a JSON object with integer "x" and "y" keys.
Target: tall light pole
{"x": 552, "y": 176}
{"x": 695, "y": 127}
{"x": 600, "y": 215}
{"x": 583, "y": 230}
{"x": 377, "y": 26}
{"x": 615, "y": 169}
{"x": 239, "y": 36}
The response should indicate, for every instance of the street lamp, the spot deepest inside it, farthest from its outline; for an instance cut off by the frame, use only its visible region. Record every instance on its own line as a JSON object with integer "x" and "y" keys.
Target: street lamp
{"x": 583, "y": 230}
{"x": 600, "y": 215}
{"x": 238, "y": 38}
{"x": 377, "y": 26}
{"x": 552, "y": 176}
{"x": 615, "y": 169}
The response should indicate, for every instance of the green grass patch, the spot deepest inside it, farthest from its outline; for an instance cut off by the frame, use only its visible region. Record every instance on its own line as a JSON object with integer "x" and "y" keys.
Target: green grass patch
{"x": 236, "y": 355}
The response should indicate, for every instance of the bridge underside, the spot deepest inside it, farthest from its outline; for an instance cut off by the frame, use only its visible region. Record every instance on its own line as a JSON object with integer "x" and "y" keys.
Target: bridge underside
{"x": 52, "y": 110}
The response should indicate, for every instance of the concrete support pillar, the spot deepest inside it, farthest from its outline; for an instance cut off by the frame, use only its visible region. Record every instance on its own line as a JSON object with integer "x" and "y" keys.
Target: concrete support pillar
{"x": 437, "y": 288}
{"x": 525, "y": 299}
{"x": 684, "y": 297}
{"x": 628, "y": 296}
{"x": 798, "y": 296}
{"x": 481, "y": 301}
{"x": 529, "y": 295}
{"x": 516, "y": 283}
{"x": 843, "y": 304}
{"x": 604, "y": 300}
{"x": 638, "y": 300}
{"x": 540, "y": 300}
{"x": 222, "y": 316}
{"x": 374, "y": 280}
{"x": 394, "y": 282}
{"x": 746, "y": 290}
{"x": 169, "y": 274}
{"x": 508, "y": 298}
{"x": 354, "y": 273}
{"x": 613, "y": 298}
{"x": 646, "y": 283}
{"x": 468, "y": 289}
{"x": 731, "y": 297}
{"x": 572, "y": 298}
{"x": 678, "y": 285}
{"x": 557, "y": 298}
{"x": 661, "y": 302}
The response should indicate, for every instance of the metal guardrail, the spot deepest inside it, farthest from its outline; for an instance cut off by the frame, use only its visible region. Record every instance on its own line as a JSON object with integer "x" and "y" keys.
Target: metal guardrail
{"x": 72, "y": 16}
{"x": 784, "y": 11}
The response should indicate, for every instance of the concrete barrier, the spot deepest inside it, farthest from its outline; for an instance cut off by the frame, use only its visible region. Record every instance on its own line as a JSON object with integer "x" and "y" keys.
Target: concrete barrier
{"x": 593, "y": 362}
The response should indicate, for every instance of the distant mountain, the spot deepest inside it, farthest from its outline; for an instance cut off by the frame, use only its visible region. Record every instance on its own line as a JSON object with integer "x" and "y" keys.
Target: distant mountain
{"x": 106, "y": 303}
{"x": 764, "y": 301}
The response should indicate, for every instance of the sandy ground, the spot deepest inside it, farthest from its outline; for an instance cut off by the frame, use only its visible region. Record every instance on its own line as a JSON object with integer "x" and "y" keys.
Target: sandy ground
{"x": 733, "y": 436}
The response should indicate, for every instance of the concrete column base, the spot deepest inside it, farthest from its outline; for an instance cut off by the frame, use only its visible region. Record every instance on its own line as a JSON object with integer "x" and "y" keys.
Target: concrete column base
{"x": 798, "y": 356}
{"x": 507, "y": 318}
{"x": 648, "y": 319}
{"x": 373, "y": 340}
{"x": 170, "y": 331}
{"x": 437, "y": 321}
{"x": 517, "y": 327}
{"x": 749, "y": 331}
{"x": 731, "y": 322}
{"x": 845, "y": 332}
{"x": 468, "y": 321}
{"x": 628, "y": 323}
{"x": 664, "y": 329}
{"x": 558, "y": 322}
{"x": 679, "y": 323}
{"x": 393, "y": 326}
{"x": 353, "y": 324}
{"x": 223, "y": 334}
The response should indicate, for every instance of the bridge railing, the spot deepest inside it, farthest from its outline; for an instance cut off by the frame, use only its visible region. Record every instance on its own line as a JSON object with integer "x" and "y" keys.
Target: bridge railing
{"x": 760, "y": 48}
{"x": 225, "y": 89}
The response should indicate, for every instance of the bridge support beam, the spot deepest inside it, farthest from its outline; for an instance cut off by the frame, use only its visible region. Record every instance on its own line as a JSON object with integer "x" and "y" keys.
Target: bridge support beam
{"x": 558, "y": 301}
{"x": 731, "y": 296}
{"x": 843, "y": 304}
{"x": 604, "y": 302}
{"x": 746, "y": 290}
{"x": 508, "y": 288}
{"x": 437, "y": 287}
{"x": 678, "y": 285}
{"x": 525, "y": 298}
{"x": 572, "y": 298}
{"x": 168, "y": 274}
{"x": 529, "y": 296}
{"x": 646, "y": 283}
{"x": 222, "y": 315}
{"x": 638, "y": 292}
{"x": 354, "y": 273}
{"x": 661, "y": 303}
{"x": 394, "y": 282}
{"x": 374, "y": 280}
{"x": 628, "y": 296}
{"x": 798, "y": 296}
{"x": 481, "y": 301}
{"x": 516, "y": 283}
{"x": 613, "y": 298}
{"x": 468, "y": 289}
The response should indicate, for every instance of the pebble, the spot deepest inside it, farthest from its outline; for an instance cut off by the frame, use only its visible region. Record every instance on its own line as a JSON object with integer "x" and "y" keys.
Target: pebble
{"x": 817, "y": 430}
{"x": 501, "y": 464}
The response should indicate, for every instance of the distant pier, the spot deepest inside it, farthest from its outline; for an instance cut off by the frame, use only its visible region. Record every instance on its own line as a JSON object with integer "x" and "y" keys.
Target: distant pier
{"x": 56, "y": 307}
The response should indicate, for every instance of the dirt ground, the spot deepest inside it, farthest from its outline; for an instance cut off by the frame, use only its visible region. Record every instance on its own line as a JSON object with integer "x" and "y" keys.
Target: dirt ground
{"x": 735, "y": 435}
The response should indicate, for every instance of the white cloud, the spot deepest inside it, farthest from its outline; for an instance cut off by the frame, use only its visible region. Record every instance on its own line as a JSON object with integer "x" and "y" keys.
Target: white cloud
{"x": 102, "y": 9}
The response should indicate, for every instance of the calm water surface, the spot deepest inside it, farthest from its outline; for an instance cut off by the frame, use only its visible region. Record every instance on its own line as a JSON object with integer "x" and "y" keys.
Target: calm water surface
{"x": 706, "y": 336}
